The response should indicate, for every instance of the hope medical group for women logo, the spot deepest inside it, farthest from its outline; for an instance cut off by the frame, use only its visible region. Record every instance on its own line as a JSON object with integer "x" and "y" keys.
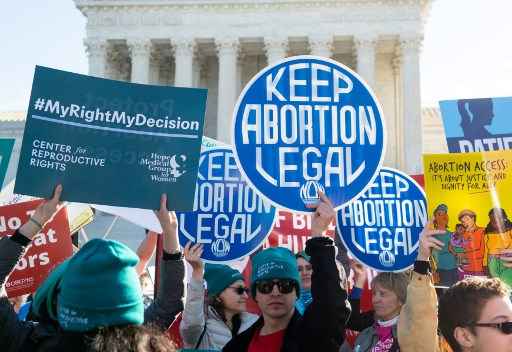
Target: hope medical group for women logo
{"x": 308, "y": 124}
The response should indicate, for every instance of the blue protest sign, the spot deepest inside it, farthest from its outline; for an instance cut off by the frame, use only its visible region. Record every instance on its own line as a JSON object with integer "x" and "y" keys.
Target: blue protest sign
{"x": 477, "y": 125}
{"x": 109, "y": 142}
{"x": 229, "y": 218}
{"x": 6, "y": 145}
{"x": 381, "y": 229}
{"x": 308, "y": 124}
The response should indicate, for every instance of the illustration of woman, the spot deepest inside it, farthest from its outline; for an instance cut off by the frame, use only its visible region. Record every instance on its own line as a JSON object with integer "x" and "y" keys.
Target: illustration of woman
{"x": 473, "y": 244}
{"x": 457, "y": 247}
{"x": 498, "y": 236}
{"x": 475, "y": 114}
{"x": 445, "y": 258}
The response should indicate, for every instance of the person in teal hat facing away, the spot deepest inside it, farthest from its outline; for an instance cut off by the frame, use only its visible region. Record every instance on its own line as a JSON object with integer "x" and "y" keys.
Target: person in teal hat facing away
{"x": 210, "y": 324}
{"x": 45, "y": 335}
{"x": 275, "y": 286}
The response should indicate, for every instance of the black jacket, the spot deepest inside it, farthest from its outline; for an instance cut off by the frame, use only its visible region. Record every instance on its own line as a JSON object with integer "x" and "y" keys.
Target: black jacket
{"x": 322, "y": 327}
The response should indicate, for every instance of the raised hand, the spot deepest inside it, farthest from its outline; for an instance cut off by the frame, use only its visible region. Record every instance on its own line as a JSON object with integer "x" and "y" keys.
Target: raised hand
{"x": 169, "y": 223}
{"x": 428, "y": 241}
{"x": 323, "y": 215}
{"x": 192, "y": 253}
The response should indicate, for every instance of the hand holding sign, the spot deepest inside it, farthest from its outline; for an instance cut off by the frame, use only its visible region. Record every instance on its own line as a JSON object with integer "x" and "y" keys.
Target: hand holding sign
{"x": 323, "y": 215}
{"x": 360, "y": 273}
{"x": 192, "y": 253}
{"x": 429, "y": 242}
{"x": 169, "y": 223}
{"x": 43, "y": 213}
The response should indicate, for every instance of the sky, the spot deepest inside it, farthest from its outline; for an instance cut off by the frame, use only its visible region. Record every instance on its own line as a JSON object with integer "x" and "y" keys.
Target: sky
{"x": 466, "y": 52}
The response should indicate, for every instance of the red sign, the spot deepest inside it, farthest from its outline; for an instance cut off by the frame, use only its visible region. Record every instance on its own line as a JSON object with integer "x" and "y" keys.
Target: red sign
{"x": 51, "y": 246}
{"x": 292, "y": 230}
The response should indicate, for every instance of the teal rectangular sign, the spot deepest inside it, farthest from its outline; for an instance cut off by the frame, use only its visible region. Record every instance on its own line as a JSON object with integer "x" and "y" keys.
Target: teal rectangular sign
{"x": 6, "y": 145}
{"x": 110, "y": 142}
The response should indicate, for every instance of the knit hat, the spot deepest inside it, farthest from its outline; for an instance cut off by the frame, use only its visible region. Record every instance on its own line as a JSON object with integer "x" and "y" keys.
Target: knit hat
{"x": 303, "y": 255}
{"x": 44, "y": 302}
{"x": 218, "y": 277}
{"x": 274, "y": 263}
{"x": 100, "y": 288}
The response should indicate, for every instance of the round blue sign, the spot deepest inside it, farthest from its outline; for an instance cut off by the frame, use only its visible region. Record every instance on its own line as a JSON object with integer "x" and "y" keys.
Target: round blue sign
{"x": 381, "y": 229}
{"x": 229, "y": 218}
{"x": 308, "y": 124}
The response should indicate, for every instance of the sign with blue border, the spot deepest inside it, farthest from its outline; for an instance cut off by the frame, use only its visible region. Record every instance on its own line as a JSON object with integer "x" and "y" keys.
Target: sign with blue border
{"x": 477, "y": 125}
{"x": 109, "y": 142}
{"x": 381, "y": 229}
{"x": 308, "y": 124}
{"x": 229, "y": 218}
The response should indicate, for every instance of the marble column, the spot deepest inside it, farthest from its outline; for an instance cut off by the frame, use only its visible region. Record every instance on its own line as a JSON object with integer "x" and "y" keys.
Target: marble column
{"x": 140, "y": 52}
{"x": 97, "y": 52}
{"x": 365, "y": 55}
{"x": 227, "y": 51}
{"x": 321, "y": 46}
{"x": 184, "y": 57}
{"x": 410, "y": 78}
{"x": 275, "y": 49}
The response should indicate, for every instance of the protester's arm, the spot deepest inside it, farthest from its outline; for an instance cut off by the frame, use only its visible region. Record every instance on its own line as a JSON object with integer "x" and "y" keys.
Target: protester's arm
{"x": 13, "y": 248}
{"x": 169, "y": 299}
{"x": 325, "y": 318}
{"x": 13, "y": 332}
{"x": 193, "y": 319}
{"x": 145, "y": 251}
{"x": 358, "y": 321}
{"x": 417, "y": 325}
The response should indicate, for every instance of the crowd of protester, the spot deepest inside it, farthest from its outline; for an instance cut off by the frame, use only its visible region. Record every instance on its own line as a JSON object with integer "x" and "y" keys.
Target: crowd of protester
{"x": 94, "y": 301}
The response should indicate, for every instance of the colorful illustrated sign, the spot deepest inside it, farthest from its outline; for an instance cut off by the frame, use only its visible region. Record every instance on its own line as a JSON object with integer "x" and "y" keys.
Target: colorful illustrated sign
{"x": 229, "y": 218}
{"x": 381, "y": 229}
{"x": 6, "y": 145}
{"x": 477, "y": 125}
{"x": 51, "y": 246}
{"x": 110, "y": 142}
{"x": 308, "y": 124}
{"x": 469, "y": 197}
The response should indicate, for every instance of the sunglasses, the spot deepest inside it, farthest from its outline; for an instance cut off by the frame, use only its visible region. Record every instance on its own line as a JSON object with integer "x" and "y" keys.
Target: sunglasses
{"x": 285, "y": 286}
{"x": 505, "y": 327}
{"x": 240, "y": 290}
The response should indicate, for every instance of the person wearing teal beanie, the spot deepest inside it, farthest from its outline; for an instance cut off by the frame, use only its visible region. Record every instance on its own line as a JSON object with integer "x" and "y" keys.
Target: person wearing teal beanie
{"x": 275, "y": 286}
{"x": 305, "y": 270}
{"x": 47, "y": 335}
{"x": 225, "y": 315}
{"x": 100, "y": 288}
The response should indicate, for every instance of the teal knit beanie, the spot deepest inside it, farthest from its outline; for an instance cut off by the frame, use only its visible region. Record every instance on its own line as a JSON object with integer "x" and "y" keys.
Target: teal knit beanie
{"x": 100, "y": 288}
{"x": 44, "y": 303}
{"x": 274, "y": 263}
{"x": 218, "y": 277}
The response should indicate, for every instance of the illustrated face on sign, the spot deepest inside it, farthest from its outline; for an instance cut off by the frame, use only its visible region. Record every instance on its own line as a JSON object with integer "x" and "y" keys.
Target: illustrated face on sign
{"x": 468, "y": 222}
{"x": 305, "y": 270}
{"x": 441, "y": 219}
{"x": 482, "y": 111}
{"x": 497, "y": 218}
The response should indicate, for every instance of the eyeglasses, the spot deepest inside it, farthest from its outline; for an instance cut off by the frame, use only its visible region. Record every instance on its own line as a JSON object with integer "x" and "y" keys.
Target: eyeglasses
{"x": 285, "y": 286}
{"x": 505, "y": 327}
{"x": 240, "y": 290}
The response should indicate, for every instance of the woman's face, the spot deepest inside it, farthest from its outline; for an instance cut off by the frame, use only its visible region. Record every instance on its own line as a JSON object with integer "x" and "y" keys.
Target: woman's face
{"x": 385, "y": 303}
{"x": 232, "y": 300}
{"x": 441, "y": 219}
{"x": 468, "y": 221}
{"x": 305, "y": 270}
{"x": 496, "y": 220}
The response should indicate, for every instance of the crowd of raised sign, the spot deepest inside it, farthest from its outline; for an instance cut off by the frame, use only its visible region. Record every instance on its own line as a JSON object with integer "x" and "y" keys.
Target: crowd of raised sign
{"x": 306, "y": 302}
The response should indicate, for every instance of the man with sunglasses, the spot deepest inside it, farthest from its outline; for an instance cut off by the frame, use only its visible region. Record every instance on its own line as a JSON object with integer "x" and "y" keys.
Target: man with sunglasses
{"x": 475, "y": 314}
{"x": 275, "y": 286}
